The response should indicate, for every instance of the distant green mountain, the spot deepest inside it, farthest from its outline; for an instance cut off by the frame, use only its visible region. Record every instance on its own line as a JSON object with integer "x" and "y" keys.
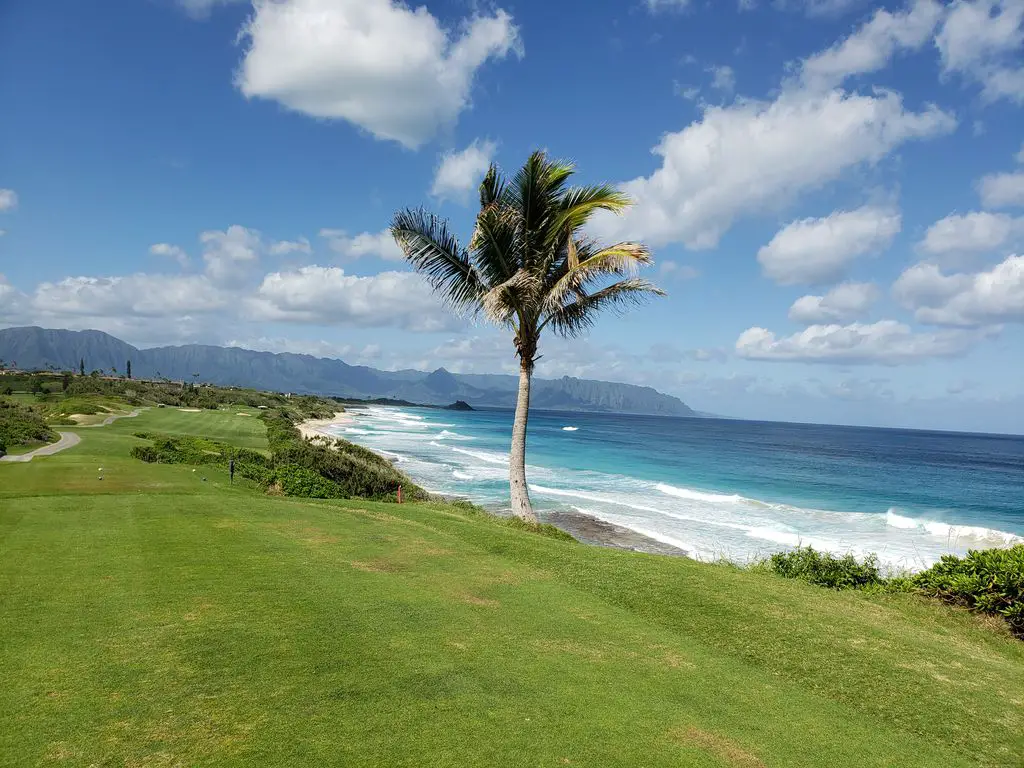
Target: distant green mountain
{"x": 38, "y": 348}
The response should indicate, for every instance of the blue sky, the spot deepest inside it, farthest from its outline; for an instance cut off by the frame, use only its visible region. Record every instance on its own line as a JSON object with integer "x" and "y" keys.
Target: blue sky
{"x": 834, "y": 190}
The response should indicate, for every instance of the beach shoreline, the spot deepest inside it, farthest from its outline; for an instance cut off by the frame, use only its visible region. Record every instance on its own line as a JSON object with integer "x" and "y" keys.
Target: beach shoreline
{"x": 311, "y": 428}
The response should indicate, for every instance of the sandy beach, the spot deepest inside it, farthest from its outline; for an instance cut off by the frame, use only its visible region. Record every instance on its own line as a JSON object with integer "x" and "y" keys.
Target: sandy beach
{"x": 315, "y": 427}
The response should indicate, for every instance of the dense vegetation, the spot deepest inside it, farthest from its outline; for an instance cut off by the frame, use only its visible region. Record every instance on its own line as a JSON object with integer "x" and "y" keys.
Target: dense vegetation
{"x": 989, "y": 581}
{"x": 320, "y": 469}
{"x": 22, "y": 425}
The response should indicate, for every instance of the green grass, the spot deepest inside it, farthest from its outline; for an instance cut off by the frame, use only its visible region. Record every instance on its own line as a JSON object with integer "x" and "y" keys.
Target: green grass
{"x": 152, "y": 618}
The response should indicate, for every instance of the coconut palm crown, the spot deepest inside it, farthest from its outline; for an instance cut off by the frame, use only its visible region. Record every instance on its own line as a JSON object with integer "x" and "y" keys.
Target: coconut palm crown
{"x": 529, "y": 267}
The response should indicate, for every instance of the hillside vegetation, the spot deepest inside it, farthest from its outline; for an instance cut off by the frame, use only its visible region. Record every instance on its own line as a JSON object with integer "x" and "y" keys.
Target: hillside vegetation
{"x": 163, "y": 616}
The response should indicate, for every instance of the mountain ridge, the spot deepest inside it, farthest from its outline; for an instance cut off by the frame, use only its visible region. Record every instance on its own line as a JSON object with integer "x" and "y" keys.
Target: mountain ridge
{"x": 33, "y": 347}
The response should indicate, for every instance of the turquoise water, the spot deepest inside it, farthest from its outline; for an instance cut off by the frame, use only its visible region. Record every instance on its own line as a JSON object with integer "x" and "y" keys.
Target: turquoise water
{"x": 723, "y": 488}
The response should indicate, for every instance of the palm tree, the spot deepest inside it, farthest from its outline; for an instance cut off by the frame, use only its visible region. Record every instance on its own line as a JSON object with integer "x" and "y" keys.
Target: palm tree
{"x": 529, "y": 267}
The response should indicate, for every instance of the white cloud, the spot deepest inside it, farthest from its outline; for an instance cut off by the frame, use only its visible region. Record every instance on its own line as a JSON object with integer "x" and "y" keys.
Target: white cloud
{"x": 379, "y": 64}
{"x": 200, "y": 9}
{"x": 755, "y": 156}
{"x": 820, "y": 250}
{"x": 231, "y": 254}
{"x": 1002, "y": 190}
{"x": 817, "y": 8}
{"x": 886, "y": 342}
{"x": 665, "y": 5}
{"x": 459, "y": 173}
{"x": 872, "y": 46}
{"x": 326, "y": 296}
{"x": 12, "y": 303}
{"x": 1020, "y": 155}
{"x": 982, "y": 40}
{"x": 372, "y": 244}
{"x": 315, "y": 347}
{"x": 284, "y": 247}
{"x": 8, "y": 200}
{"x": 843, "y": 303}
{"x": 170, "y": 251}
{"x": 971, "y": 233}
{"x": 139, "y": 295}
{"x": 974, "y": 299}
{"x": 723, "y": 78}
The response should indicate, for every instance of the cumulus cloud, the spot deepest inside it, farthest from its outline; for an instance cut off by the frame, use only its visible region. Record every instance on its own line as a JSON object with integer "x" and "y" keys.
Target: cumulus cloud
{"x": 723, "y": 78}
{"x": 971, "y": 233}
{"x": 755, "y": 156}
{"x": 169, "y": 251}
{"x": 872, "y": 46}
{"x": 326, "y": 295}
{"x": 284, "y": 247}
{"x": 231, "y": 254}
{"x": 380, "y": 245}
{"x": 886, "y": 342}
{"x": 139, "y": 295}
{"x": 459, "y": 173}
{"x": 820, "y": 250}
{"x": 974, "y": 299}
{"x": 8, "y": 200}
{"x": 843, "y": 303}
{"x": 383, "y": 66}
{"x": 983, "y": 40}
{"x": 1002, "y": 190}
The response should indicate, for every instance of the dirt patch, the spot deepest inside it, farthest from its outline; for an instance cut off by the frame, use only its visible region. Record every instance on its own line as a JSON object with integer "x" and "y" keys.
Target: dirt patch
{"x": 243, "y": 414}
{"x": 482, "y": 601}
{"x": 190, "y": 410}
{"x": 373, "y": 566}
{"x": 726, "y": 750}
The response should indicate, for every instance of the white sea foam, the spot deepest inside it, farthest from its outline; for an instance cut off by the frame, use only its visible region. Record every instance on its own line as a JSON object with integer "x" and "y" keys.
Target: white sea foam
{"x": 953, "y": 532}
{"x": 570, "y": 429}
{"x": 687, "y": 493}
{"x": 444, "y": 434}
{"x": 705, "y": 523}
{"x": 490, "y": 458}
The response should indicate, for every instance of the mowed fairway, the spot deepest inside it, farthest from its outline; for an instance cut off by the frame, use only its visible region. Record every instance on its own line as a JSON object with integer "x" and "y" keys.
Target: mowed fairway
{"x": 154, "y": 619}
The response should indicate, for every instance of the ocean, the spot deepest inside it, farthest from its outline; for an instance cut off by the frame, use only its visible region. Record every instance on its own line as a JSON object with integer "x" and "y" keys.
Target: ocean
{"x": 718, "y": 488}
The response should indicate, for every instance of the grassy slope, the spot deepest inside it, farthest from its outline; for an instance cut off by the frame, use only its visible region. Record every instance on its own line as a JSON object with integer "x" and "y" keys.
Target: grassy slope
{"x": 154, "y": 619}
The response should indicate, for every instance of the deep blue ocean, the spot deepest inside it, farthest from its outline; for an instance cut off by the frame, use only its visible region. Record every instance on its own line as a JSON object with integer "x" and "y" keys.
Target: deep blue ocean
{"x": 723, "y": 488}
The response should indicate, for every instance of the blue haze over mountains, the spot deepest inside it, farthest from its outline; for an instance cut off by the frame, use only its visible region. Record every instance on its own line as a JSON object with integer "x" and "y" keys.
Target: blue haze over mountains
{"x": 39, "y": 348}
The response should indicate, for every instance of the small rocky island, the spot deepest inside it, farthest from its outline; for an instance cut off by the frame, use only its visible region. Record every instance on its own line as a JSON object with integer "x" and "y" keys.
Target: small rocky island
{"x": 459, "y": 405}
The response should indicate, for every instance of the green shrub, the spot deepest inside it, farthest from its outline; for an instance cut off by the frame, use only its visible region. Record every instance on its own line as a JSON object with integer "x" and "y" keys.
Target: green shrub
{"x": 989, "y": 581}
{"x": 824, "y": 569}
{"x": 23, "y": 425}
{"x": 294, "y": 480}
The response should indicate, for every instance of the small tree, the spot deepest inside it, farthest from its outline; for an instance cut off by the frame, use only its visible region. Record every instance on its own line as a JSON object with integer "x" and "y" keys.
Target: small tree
{"x": 128, "y": 368}
{"x": 81, "y": 367}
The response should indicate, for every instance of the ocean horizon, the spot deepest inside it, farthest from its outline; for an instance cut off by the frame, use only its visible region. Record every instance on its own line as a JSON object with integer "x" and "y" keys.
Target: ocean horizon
{"x": 725, "y": 488}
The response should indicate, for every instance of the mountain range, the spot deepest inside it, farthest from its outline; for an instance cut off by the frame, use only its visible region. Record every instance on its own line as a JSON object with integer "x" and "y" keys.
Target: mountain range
{"x": 35, "y": 348}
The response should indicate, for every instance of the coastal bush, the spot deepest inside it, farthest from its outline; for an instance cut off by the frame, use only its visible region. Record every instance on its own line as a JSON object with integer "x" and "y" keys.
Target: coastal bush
{"x": 825, "y": 569}
{"x": 294, "y": 480}
{"x": 22, "y": 425}
{"x": 989, "y": 581}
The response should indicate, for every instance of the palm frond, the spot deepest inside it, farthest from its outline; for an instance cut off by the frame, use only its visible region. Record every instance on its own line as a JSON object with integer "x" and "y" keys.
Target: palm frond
{"x": 435, "y": 252}
{"x": 579, "y": 204}
{"x": 518, "y": 298}
{"x": 575, "y": 318}
{"x": 535, "y": 192}
{"x": 619, "y": 260}
{"x": 492, "y": 188}
{"x": 496, "y": 242}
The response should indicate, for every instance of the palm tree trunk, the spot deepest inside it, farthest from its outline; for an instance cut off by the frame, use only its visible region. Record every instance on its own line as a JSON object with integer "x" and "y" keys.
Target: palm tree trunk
{"x": 521, "y": 506}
